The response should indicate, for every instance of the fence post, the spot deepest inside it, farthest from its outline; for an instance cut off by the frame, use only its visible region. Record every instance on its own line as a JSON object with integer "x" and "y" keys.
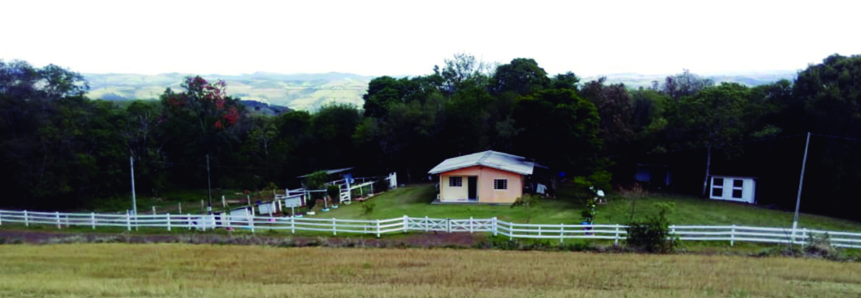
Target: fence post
{"x": 495, "y": 230}
{"x": 57, "y": 214}
{"x": 804, "y": 235}
{"x": 26, "y": 219}
{"x": 293, "y": 224}
{"x": 168, "y": 222}
{"x": 511, "y": 231}
{"x": 470, "y": 224}
{"x": 561, "y": 233}
{"x": 448, "y": 225}
{"x": 251, "y": 223}
{"x": 153, "y": 210}
{"x": 128, "y": 220}
{"x": 378, "y": 228}
{"x": 188, "y": 220}
{"x": 406, "y": 223}
{"x": 214, "y": 224}
{"x": 732, "y": 236}
{"x": 93, "y": 219}
{"x": 334, "y": 226}
{"x": 673, "y": 230}
{"x": 539, "y": 230}
{"x": 1, "y": 218}
{"x": 427, "y": 224}
{"x": 616, "y": 238}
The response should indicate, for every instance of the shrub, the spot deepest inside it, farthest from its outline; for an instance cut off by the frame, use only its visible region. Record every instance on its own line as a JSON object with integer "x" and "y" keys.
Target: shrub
{"x": 367, "y": 207}
{"x": 653, "y": 234}
{"x": 820, "y": 247}
{"x": 334, "y": 193}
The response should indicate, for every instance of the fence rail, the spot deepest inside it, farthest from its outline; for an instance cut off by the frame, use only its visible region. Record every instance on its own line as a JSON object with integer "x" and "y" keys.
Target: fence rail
{"x": 406, "y": 224}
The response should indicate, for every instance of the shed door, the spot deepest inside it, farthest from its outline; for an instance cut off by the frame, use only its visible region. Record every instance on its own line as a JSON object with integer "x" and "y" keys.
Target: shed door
{"x": 472, "y": 187}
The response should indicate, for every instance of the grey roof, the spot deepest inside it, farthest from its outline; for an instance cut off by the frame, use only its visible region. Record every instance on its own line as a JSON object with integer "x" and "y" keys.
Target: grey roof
{"x": 489, "y": 158}
{"x": 329, "y": 172}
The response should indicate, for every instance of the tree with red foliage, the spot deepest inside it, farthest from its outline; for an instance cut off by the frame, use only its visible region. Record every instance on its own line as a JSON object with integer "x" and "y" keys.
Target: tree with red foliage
{"x": 206, "y": 102}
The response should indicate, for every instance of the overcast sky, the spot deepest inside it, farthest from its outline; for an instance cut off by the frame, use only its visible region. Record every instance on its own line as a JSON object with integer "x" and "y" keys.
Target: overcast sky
{"x": 410, "y": 37}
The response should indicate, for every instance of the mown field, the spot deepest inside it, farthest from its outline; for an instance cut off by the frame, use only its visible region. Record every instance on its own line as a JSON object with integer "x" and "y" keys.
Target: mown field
{"x": 178, "y": 270}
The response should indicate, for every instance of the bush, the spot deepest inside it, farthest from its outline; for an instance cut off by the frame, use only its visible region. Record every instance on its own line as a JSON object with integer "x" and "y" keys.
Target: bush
{"x": 820, "y": 247}
{"x": 334, "y": 192}
{"x": 653, "y": 234}
{"x": 367, "y": 207}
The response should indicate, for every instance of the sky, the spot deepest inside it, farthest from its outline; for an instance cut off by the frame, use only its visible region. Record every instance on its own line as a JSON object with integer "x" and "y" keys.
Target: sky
{"x": 409, "y": 37}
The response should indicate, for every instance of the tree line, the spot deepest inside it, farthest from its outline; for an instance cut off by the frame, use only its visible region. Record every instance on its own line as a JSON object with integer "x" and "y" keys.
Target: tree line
{"x": 63, "y": 150}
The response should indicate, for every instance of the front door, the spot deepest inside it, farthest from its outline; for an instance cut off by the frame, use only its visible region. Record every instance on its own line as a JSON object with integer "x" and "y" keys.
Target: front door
{"x": 472, "y": 187}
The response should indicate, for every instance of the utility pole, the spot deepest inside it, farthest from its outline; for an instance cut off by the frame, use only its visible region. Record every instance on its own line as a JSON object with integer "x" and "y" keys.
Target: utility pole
{"x": 134, "y": 200}
{"x": 800, "y": 184}
{"x": 208, "y": 186}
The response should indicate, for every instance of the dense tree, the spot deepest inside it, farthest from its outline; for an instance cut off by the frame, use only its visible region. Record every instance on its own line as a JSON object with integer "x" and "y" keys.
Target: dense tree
{"x": 522, "y": 76}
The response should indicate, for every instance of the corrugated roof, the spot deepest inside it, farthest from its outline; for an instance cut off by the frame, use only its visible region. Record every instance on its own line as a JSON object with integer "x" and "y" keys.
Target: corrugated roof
{"x": 489, "y": 158}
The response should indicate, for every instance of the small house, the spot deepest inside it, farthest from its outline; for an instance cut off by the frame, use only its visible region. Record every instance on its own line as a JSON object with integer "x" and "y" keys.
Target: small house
{"x": 733, "y": 188}
{"x": 483, "y": 177}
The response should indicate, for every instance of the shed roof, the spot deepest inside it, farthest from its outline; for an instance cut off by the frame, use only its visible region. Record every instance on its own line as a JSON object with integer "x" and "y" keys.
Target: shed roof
{"x": 489, "y": 158}
{"x": 329, "y": 172}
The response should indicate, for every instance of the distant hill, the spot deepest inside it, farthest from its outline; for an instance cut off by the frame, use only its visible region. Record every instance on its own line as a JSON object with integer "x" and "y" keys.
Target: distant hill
{"x": 311, "y": 91}
{"x": 296, "y": 91}
{"x": 632, "y": 80}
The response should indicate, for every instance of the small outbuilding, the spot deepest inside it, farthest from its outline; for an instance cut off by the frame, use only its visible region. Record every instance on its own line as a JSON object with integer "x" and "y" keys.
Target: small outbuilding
{"x": 483, "y": 177}
{"x": 733, "y": 188}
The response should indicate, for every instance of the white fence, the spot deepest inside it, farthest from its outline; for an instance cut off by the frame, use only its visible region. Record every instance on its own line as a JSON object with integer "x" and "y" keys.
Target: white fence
{"x": 406, "y": 224}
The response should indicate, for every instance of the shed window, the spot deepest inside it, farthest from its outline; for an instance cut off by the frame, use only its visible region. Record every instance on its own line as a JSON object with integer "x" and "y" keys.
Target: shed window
{"x": 736, "y": 193}
{"x": 717, "y": 192}
{"x": 455, "y": 181}
{"x": 500, "y": 183}
{"x": 737, "y": 183}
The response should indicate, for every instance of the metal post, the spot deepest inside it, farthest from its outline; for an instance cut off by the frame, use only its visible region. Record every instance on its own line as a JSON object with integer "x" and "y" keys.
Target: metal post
{"x": 334, "y": 226}
{"x": 134, "y": 200}
{"x": 208, "y": 186}
{"x": 93, "y": 219}
{"x": 168, "y": 222}
{"x": 800, "y": 184}
{"x": 58, "y": 219}
{"x": 378, "y": 228}
{"x": 732, "y": 236}
{"x": 616, "y": 239}
{"x": 26, "y": 219}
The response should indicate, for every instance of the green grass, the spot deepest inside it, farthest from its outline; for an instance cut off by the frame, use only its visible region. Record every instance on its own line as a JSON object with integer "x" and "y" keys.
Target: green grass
{"x": 180, "y": 270}
{"x": 415, "y": 201}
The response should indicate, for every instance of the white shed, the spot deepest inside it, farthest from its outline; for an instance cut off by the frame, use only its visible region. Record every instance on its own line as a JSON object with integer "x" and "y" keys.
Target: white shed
{"x": 733, "y": 188}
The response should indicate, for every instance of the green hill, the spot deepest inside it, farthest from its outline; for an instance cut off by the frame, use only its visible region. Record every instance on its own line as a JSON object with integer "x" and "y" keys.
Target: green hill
{"x": 296, "y": 91}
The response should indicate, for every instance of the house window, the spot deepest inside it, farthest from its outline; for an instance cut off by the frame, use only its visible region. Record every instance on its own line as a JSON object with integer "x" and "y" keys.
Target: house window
{"x": 736, "y": 193}
{"x": 455, "y": 181}
{"x": 500, "y": 183}
{"x": 737, "y": 183}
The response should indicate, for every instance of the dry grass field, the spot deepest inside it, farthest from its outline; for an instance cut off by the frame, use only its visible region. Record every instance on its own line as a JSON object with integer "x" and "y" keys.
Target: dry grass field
{"x": 178, "y": 270}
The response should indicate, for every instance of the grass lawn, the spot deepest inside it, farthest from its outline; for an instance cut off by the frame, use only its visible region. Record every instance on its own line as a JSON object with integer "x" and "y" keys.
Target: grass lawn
{"x": 179, "y": 270}
{"x": 415, "y": 201}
